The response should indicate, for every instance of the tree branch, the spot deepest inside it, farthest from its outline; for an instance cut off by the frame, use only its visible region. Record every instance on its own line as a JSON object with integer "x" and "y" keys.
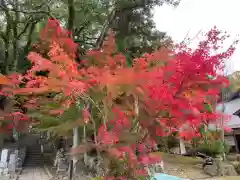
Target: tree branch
{"x": 30, "y": 22}
{"x": 111, "y": 17}
{"x": 77, "y": 31}
{"x": 5, "y": 8}
{"x": 2, "y": 35}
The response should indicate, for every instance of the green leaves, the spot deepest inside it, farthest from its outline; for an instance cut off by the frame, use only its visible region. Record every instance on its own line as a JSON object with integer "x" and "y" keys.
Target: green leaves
{"x": 120, "y": 42}
{"x": 208, "y": 107}
{"x": 46, "y": 121}
{"x": 96, "y": 95}
{"x": 235, "y": 80}
{"x": 71, "y": 114}
{"x": 65, "y": 122}
{"x": 53, "y": 105}
{"x": 203, "y": 130}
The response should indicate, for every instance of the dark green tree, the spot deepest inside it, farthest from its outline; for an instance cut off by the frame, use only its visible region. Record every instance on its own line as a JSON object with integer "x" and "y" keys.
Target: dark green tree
{"x": 89, "y": 21}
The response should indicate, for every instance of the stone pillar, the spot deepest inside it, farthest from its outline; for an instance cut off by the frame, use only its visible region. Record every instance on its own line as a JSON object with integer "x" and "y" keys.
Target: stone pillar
{"x": 15, "y": 134}
{"x": 48, "y": 135}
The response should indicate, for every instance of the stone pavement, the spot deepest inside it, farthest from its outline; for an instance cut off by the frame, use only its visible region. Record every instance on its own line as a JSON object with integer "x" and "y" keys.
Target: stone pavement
{"x": 34, "y": 173}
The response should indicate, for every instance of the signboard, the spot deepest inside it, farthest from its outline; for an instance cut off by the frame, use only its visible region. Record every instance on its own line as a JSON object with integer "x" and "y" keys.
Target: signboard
{"x": 230, "y": 140}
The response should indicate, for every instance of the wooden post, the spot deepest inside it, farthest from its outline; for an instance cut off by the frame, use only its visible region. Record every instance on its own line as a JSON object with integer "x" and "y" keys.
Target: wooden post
{"x": 222, "y": 127}
{"x": 1, "y": 140}
{"x": 71, "y": 170}
{"x": 236, "y": 142}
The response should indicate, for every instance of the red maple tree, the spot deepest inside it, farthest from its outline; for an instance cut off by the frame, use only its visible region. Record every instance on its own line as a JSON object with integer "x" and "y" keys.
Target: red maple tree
{"x": 129, "y": 107}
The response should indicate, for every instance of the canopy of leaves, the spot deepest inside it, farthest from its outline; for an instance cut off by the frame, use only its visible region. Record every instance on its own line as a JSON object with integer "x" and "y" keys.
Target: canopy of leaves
{"x": 117, "y": 103}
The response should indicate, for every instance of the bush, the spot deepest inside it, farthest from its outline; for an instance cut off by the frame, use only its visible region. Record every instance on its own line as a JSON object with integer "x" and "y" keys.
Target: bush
{"x": 213, "y": 148}
{"x": 166, "y": 143}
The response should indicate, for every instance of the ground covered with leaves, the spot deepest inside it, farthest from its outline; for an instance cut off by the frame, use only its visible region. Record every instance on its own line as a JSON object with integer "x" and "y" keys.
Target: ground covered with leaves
{"x": 188, "y": 167}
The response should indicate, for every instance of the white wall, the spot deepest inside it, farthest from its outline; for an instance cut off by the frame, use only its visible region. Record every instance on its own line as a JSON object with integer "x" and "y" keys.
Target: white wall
{"x": 230, "y": 108}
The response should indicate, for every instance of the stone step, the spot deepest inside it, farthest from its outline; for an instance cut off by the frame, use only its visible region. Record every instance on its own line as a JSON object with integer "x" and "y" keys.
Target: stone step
{"x": 32, "y": 163}
{"x": 34, "y": 157}
{"x": 34, "y": 160}
{"x": 34, "y": 154}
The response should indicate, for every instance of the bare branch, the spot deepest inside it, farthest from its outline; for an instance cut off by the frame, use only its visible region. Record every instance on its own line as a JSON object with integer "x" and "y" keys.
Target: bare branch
{"x": 187, "y": 40}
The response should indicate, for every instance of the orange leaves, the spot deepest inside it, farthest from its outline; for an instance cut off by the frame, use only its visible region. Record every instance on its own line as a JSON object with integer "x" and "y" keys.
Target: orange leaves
{"x": 30, "y": 91}
{"x": 122, "y": 80}
{"x": 155, "y": 96}
{"x": 158, "y": 58}
{"x": 120, "y": 76}
{"x": 4, "y": 80}
{"x": 127, "y": 76}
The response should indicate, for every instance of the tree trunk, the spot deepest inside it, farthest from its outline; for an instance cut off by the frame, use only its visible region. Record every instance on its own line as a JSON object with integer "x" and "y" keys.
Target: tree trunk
{"x": 71, "y": 19}
{"x": 15, "y": 38}
{"x": 6, "y": 37}
{"x": 222, "y": 129}
{"x": 182, "y": 147}
{"x": 6, "y": 57}
{"x": 71, "y": 15}
{"x": 75, "y": 145}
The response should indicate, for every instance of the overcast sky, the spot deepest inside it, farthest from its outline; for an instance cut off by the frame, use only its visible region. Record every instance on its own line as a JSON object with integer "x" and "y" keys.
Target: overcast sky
{"x": 195, "y": 15}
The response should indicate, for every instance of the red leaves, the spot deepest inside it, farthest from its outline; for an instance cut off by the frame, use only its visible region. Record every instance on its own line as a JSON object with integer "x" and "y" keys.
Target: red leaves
{"x": 149, "y": 159}
{"x": 107, "y": 137}
{"x": 86, "y": 115}
{"x": 120, "y": 121}
{"x": 189, "y": 134}
{"x": 169, "y": 86}
{"x": 17, "y": 120}
{"x": 54, "y": 34}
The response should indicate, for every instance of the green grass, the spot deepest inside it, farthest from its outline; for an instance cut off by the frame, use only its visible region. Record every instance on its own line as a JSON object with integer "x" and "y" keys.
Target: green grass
{"x": 172, "y": 158}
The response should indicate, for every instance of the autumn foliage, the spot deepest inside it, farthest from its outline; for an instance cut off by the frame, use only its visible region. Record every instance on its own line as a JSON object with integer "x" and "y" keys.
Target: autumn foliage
{"x": 125, "y": 107}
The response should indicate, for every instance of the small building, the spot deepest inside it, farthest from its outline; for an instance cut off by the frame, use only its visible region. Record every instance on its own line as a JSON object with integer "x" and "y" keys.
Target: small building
{"x": 231, "y": 106}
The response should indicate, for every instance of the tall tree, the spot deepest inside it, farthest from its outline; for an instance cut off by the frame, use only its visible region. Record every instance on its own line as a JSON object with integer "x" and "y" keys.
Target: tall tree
{"x": 235, "y": 81}
{"x": 133, "y": 22}
{"x": 19, "y": 21}
{"x": 89, "y": 21}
